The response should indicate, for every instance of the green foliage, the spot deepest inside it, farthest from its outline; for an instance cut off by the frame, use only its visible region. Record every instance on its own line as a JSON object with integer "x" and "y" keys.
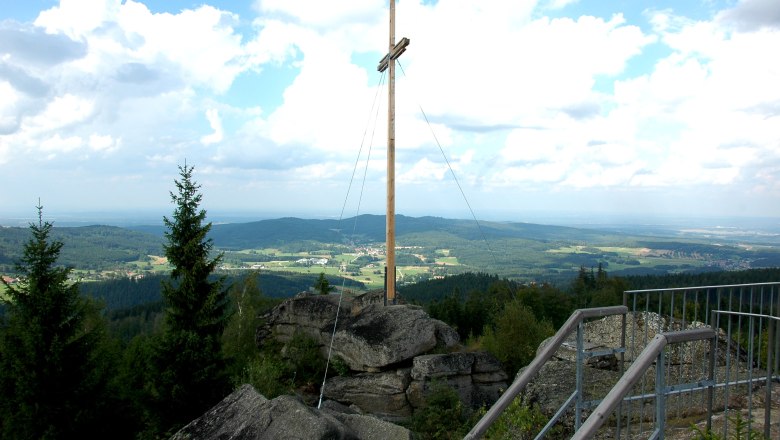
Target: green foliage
{"x": 125, "y": 293}
{"x": 194, "y": 302}
{"x": 54, "y": 355}
{"x": 515, "y": 336}
{"x": 443, "y": 415}
{"x": 303, "y": 352}
{"x": 270, "y": 375}
{"x": 135, "y": 377}
{"x": 547, "y": 302}
{"x": 741, "y": 430}
{"x": 340, "y": 366}
{"x": 715, "y": 278}
{"x": 404, "y": 259}
{"x": 596, "y": 289}
{"x": 281, "y": 368}
{"x": 436, "y": 290}
{"x": 190, "y": 374}
{"x": 518, "y": 422}
{"x": 144, "y": 319}
{"x": 238, "y": 339}
{"x": 86, "y": 247}
{"x": 469, "y": 314}
{"x": 322, "y": 285}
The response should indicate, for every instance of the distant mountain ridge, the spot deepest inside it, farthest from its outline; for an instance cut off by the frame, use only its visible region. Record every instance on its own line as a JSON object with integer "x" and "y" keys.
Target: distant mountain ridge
{"x": 521, "y": 251}
{"x": 371, "y": 228}
{"x": 128, "y": 243}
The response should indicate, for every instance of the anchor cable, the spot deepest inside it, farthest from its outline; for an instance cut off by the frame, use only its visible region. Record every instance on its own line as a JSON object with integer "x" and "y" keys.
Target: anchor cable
{"x": 375, "y": 109}
{"x": 457, "y": 182}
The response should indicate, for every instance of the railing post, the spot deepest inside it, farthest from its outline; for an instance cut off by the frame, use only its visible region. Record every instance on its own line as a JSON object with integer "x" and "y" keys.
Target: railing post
{"x": 622, "y": 369}
{"x": 711, "y": 376}
{"x": 580, "y": 359}
{"x": 711, "y": 387}
{"x": 769, "y": 375}
{"x": 660, "y": 394}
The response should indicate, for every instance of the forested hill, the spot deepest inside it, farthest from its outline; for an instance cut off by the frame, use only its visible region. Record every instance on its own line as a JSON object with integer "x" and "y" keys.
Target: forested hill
{"x": 718, "y": 278}
{"x": 86, "y": 247}
{"x": 429, "y": 291}
{"x": 434, "y": 246}
{"x": 124, "y": 293}
{"x": 371, "y": 228}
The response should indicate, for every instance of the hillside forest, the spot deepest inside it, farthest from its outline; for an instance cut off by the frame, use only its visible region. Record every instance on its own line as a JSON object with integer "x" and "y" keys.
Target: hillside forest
{"x": 139, "y": 357}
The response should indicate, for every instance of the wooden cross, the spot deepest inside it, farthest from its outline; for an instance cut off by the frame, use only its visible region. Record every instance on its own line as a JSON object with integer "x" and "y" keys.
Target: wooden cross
{"x": 394, "y": 51}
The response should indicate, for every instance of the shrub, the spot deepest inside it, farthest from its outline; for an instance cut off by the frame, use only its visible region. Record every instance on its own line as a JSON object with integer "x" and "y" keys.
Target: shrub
{"x": 303, "y": 352}
{"x": 518, "y": 422}
{"x": 443, "y": 415}
{"x": 516, "y": 335}
{"x": 269, "y": 375}
{"x": 340, "y": 366}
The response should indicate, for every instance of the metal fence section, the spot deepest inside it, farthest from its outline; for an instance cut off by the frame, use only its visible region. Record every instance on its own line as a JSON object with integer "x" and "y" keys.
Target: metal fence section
{"x": 653, "y": 354}
{"x": 575, "y": 321}
{"x": 759, "y": 369}
{"x": 744, "y": 317}
{"x": 698, "y": 361}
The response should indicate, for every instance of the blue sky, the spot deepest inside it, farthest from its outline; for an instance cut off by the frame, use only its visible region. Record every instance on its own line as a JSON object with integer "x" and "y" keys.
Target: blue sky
{"x": 592, "y": 107}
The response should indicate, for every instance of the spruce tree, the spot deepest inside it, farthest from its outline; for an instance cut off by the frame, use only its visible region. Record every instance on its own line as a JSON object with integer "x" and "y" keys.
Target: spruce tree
{"x": 53, "y": 363}
{"x": 191, "y": 373}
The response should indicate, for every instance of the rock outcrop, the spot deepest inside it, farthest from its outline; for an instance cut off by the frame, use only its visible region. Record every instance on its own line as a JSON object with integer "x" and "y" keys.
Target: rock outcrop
{"x": 394, "y": 395}
{"x": 368, "y": 336}
{"x": 247, "y": 415}
{"x": 395, "y": 353}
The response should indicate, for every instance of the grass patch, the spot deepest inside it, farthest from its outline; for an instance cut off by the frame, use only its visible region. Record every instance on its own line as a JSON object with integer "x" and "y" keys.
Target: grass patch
{"x": 448, "y": 261}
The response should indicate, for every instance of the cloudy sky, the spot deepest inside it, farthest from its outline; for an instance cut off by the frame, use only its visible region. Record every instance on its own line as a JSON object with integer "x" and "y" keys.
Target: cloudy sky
{"x": 581, "y": 106}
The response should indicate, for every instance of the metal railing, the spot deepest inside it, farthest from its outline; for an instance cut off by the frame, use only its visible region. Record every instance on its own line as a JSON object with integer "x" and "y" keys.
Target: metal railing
{"x": 687, "y": 379}
{"x": 665, "y": 310}
{"x": 760, "y": 365}
{"x": 653, "y": 354}
{"x": 574, "y": 321}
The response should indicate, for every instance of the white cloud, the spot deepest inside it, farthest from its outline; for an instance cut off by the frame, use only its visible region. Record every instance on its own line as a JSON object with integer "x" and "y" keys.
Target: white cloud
{"x": 510, "y": 68}
{"x": 518, "y": 99}
{"x": 104, "y": 143}
{"x": 322, "y": 14}
{"x": 8, "y": 113}
{"x": 560, "y": 4}
{"x": 200, "y": 46}
{"x": 216, "y": 124}
{"x": 424, "y": 171}
{"x": 61, "y": 112}
{"x": 59, "y": 144}
{"x": 76, "y": 18}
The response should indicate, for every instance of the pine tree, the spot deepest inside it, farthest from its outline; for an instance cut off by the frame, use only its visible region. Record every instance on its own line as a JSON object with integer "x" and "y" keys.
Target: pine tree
{"x": 192, "y": 375}
{"x": 53, "y": 363}
{"x": 322, "y": 285}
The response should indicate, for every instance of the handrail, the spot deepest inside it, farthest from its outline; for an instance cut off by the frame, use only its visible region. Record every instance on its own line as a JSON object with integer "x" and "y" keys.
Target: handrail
{"x": 746, "y": 314}
{"x": 634, "y": 373}
{"x": 724, "y": 286}
{"x": 547, "y": 352}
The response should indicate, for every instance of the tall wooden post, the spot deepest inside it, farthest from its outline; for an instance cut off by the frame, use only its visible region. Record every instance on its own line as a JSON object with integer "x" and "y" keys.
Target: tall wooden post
{"x": 394, "y": 51}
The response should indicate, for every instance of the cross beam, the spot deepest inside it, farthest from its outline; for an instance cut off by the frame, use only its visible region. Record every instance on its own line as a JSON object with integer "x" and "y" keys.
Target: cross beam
{"x": 388, "y": 63}
{"x": 393, "y": 55}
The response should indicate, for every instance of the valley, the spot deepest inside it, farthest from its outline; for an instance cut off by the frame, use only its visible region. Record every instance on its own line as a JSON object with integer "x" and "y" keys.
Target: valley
{"x": 427, "y": 248}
